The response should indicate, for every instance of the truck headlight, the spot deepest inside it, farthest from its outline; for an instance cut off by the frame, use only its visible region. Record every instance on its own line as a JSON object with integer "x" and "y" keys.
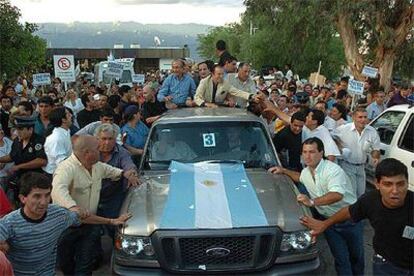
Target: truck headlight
{"x": 299, "y": 240}
{"x": 140, "y": 247}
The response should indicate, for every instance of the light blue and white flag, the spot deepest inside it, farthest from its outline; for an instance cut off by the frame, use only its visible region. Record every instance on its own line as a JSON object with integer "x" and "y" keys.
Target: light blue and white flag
{"x": 211, "y": 196}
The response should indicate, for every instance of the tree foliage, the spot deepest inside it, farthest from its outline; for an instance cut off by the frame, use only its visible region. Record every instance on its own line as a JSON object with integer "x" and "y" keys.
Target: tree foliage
{"x": 373, "y": 32}
{"x": 305, "y": 32}
{"x": 20, "y": 50}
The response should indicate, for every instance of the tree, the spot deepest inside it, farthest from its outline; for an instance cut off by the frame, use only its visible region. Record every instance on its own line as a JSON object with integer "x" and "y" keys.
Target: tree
{"x": 20, "y": 50}
{"x": 372, "y": 32}
{"x": 230, "y": 33}
{"x": 279, "y": 38}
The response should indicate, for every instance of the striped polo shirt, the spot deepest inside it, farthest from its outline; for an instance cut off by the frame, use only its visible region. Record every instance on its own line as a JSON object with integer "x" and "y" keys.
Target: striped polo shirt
{"x": 33, "y": 244}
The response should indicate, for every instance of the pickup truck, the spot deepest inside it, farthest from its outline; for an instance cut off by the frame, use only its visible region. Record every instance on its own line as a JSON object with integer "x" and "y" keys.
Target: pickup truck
{"x": 208, "y": 204}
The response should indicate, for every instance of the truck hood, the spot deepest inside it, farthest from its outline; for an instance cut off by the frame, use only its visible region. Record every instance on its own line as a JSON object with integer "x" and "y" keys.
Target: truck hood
{"x": 276, "y": 195}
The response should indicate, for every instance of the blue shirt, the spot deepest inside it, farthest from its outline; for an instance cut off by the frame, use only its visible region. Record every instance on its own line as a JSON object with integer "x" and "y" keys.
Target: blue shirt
{"x": 374, "y": 110}
{"x": 121, "y": 159}
{"x": 33, "y": 244}
{"x": 39, "y": 127}
{"x": 179, "y": 89}
{"x": 136, "y": 136}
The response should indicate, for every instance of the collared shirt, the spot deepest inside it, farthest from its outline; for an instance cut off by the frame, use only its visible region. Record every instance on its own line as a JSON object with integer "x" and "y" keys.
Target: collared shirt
{"x": 374, "y": 110}
{"x": 329, "y": 177}
{"x": 247, "y": 86}
{"x": 120, "y": 158}
{"x": 322, "y": 133}
{"x": 73, "y": 185}
{"x": 358, "y": 144}
{"x": 329, "y": 123}
{"x": 34, "y": 149}
{"x": 179, "y": 89}
{"x": 90, "y": 130}
{"x": 136, "y": 136}
{"x": 58, "y": 147}
{"x": 39, "y": 127}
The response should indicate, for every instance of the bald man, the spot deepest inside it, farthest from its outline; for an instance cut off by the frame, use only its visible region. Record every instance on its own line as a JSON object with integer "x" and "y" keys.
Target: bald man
{"x": 76, "y": 186}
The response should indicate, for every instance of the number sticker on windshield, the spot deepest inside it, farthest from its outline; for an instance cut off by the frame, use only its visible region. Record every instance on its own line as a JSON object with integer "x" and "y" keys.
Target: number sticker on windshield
{"x": 209, "y": 140}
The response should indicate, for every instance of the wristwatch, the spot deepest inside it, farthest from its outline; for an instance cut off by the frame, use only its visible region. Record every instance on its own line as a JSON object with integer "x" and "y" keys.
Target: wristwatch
{"x": 312, "y": 202}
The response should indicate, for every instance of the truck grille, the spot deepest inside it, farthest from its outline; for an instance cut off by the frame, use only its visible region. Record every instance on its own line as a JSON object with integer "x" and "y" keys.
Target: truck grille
{"x": 216, "y": 251}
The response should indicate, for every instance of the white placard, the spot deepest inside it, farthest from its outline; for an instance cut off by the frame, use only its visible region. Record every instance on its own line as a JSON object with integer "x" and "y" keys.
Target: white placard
{"x": 114, "y": 69}
{"x": 356, "y": 87}
{"x": 209, "y": 140}
{"x": 64, "y": 67}
{"x": 138, "y": 78}
{"x": 41, "y": 79}
{"x": 370, "y": 72}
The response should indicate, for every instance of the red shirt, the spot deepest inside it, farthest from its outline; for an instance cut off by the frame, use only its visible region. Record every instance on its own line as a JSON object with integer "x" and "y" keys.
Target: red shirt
{"x": 5, "y": 206}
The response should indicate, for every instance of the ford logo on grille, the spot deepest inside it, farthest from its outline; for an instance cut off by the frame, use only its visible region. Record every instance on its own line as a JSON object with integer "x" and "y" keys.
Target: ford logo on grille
{"x": 218, "y": 252}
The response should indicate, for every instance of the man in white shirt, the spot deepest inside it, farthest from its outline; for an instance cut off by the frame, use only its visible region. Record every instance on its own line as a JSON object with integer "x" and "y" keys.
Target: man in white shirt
{"x": 58, "y": 145}
{"x": 328, "y": 189}
{"x": 314, "y": 128}
{"x": 357, "y": 139}
{"x": 242, "y": 81}
{"x": 329, "y": 123}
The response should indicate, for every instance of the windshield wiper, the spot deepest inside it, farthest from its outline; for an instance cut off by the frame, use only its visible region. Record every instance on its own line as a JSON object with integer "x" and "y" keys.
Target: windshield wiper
{"x": 159, "y": 161}
{"x": 227, "y": 161}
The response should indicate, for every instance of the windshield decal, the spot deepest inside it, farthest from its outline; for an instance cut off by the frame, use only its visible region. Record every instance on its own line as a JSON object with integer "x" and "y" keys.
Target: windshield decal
{"x": 209, "y": 140}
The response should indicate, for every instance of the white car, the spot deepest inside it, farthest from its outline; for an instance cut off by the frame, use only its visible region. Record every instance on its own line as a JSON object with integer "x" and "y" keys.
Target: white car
{"x": 395, "y": 127}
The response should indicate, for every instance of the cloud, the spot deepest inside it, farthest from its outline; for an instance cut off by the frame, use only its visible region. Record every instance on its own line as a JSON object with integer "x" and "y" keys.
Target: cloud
{"x": 228, "y": 3}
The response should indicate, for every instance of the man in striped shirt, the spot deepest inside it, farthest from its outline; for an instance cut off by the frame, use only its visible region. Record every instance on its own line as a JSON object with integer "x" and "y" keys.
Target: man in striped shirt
{"x": 32, "y": 232}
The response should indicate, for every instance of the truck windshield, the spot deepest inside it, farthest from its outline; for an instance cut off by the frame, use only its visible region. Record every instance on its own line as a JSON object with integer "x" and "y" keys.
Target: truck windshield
{"x": 246, "y": 142}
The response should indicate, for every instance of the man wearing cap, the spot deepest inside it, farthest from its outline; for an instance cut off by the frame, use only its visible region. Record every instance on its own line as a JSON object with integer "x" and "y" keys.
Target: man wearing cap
{"x": 27, "y": 151}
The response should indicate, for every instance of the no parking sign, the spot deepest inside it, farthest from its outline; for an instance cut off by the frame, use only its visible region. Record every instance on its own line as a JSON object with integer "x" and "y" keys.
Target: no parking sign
{"x": 64, "y": 67}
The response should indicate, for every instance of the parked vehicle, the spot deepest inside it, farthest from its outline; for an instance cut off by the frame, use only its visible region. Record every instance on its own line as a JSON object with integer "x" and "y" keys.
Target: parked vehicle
{"x": 208, "y": 204}
{"x": 395, "y": 127}
{"x": 127, "y": 74}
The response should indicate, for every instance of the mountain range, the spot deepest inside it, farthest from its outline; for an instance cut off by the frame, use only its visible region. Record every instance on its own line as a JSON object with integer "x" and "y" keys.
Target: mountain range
{"x": 107, "y": 34}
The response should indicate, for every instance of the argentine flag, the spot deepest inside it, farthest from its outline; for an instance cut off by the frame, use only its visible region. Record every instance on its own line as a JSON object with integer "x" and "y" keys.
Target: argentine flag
{"x": 211, "y": 196}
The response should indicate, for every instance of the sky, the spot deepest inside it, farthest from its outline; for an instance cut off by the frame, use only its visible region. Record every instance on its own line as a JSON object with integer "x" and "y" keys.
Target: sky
{"x": 211, "y": 12}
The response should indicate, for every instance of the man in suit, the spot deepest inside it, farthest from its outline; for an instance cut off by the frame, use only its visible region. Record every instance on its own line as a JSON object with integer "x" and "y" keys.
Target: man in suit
{"x": 214, "y": 89}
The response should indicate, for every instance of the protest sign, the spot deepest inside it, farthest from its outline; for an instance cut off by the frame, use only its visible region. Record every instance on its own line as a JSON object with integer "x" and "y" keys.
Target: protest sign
{"x": 370, "y": 72}
{"x": 356, "y": 87}
{"x": 114, "y": 69}
{"x": 138, "y": 78}
{"x": 41, "y": 79}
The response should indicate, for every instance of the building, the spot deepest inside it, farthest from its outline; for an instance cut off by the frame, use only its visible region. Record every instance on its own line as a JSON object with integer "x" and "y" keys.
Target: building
{"x": 145, "y": 58}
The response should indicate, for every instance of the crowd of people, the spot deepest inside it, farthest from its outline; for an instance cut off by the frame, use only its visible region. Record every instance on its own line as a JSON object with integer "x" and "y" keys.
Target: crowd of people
{"x": 87, "y": 143}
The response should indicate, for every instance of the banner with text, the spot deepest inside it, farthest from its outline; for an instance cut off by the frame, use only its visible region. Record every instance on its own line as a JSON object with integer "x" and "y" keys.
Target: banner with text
{"x": 41, "y": 79}
{"x": 370, "y": 72}
{"x": 114, "y": 69}
{"x": 138, "y": 78}
{"x": 356, "y": 87}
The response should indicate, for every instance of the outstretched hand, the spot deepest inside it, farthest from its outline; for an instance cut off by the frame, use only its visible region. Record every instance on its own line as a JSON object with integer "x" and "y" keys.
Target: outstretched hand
{"x": 317, "y": 227}
{"x": 121, "y": 219}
